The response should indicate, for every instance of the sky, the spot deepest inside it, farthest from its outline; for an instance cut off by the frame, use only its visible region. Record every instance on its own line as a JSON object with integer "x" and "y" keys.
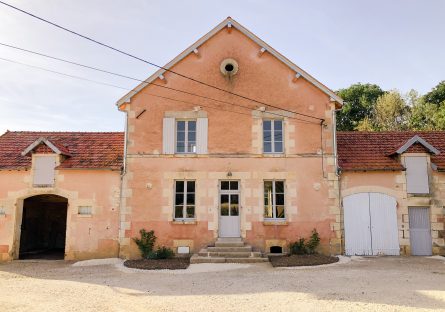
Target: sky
{"x": 396, "y": 44}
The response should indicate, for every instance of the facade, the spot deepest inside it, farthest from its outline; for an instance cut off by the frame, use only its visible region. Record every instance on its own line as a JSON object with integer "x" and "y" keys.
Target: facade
{"x": 393, "y": 192}
{"x": 198, "y": 163}
{"x": 59, "y": 194}
{"x": 198, "y": 169}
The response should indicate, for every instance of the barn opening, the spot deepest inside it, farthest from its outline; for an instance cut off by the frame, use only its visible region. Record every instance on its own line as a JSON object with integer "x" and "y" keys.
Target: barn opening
{"x": 43, "y": 229}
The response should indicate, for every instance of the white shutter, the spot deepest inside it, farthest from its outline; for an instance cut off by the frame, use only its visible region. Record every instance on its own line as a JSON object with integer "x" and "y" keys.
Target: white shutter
{"x": 168, "y": 135}
{"x": 201, "y": 135}
{"x": 416, "y": 175}
{"x": 44, "y": 170}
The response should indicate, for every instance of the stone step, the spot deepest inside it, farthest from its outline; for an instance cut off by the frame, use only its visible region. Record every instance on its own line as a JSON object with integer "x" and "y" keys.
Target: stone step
{"x": 224, "y": 243}
{"x": 197, "y": 259}
{"x": 229, "y": 254}
{"x": 230, "y": 249}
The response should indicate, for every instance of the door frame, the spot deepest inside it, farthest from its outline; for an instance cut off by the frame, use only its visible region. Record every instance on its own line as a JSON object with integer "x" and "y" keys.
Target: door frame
{"x": 229, "y": 192}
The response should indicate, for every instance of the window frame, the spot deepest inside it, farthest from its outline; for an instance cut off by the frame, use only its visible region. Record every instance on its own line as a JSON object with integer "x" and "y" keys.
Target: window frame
{"x": 274, "y": 206}
{"x": 272, "y": 135}
{"x": 186, "y": 132}
{"x": 184, "y": 204}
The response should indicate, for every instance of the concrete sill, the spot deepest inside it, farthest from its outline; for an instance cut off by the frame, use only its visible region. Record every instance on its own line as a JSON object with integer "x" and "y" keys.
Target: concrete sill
{"x": 187, "y": 222}
{"x": 84, "y": 216}
{"x": 275, "y": 222}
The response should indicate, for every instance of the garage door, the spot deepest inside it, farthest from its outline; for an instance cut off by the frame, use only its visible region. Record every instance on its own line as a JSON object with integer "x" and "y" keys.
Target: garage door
{"x": 370, "y": 221}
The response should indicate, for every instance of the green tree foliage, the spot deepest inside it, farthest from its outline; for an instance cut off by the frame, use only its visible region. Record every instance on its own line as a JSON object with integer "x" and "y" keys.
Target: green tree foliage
{"x": 436, "y": 95}
{"x": 390, "y": 113}
{"x": 360, "y": 100}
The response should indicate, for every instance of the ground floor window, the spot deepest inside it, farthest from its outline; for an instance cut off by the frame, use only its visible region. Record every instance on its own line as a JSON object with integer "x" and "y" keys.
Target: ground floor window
{"x": 184, "y": 199}
{"x": 274, "y": 199}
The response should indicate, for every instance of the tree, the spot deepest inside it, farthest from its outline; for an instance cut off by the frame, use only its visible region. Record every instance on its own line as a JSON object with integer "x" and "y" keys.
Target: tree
{"x": 427, "y": 116}
{"x": 391, "y": 112}
{"x": 436, "y": 95}
{"x": 359, "y": 103}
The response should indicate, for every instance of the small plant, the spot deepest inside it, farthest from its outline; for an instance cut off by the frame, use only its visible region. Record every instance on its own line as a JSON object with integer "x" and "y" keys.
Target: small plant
{"x": 164, "y": 253}
{"x": 301, "y": 247}
{"x": 146, "y": 243}
{"x": 298, "y": 247}
{"x": 313, "y": 242}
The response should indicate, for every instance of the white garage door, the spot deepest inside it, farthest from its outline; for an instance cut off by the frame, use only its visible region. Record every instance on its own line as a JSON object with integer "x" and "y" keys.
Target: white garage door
{"x": 370, "y": 221}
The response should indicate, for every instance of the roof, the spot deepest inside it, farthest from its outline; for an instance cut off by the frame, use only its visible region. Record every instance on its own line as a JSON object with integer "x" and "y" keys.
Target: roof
{"x": 84, "y": 150}
{"x": 56, "y": 148}
{"x": 358, "y": 151}
{"x": 230, "y": 22}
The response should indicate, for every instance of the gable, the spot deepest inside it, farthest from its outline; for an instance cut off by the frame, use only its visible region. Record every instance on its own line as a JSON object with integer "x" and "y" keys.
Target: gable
{"x": 262, "y": 48}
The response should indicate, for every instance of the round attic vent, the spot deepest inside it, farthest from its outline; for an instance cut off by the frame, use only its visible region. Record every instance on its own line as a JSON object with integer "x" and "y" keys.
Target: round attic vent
{"x": 229, "y": 67}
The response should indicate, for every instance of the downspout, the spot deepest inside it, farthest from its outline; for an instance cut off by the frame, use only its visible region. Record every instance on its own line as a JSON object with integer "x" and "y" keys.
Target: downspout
{"x": 338, "y": 173}
{"x": 124, "y": 171}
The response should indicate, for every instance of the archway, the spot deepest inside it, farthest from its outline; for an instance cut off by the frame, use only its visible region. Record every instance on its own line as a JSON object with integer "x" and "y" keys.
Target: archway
{"x": 43, "y": 229}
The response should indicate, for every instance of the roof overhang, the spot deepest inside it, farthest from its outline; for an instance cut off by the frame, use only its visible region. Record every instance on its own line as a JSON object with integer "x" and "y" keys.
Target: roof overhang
{"x": 229, "y": 22}
{"x": 416, "y": 139}
{"x": 45, "y": 141}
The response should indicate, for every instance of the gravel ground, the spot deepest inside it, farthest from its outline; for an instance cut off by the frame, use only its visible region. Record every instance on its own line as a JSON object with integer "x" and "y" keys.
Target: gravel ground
{"x": 377, "y": 284}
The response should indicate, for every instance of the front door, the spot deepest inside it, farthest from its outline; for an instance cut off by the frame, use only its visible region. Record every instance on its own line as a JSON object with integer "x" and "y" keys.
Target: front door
{"x": 420, "y": 231}
{"x": 229, "y": 219}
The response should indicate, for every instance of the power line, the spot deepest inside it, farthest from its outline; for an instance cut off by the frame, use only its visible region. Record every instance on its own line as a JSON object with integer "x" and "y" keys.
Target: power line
{"x": 136, "y": 79}
{"x": 124, "y": 88}
{"x": 151, "y": 63}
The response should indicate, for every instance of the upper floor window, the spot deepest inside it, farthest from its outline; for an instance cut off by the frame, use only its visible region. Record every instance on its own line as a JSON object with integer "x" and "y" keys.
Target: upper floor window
{"x": 273, "y": 136}
{"x": 184, "y": 199}
{"x": 274, "y": 199}
{"x": 417, "y": 175}
{"x": 44, "y": 170}
{"x": 186, "y": 136}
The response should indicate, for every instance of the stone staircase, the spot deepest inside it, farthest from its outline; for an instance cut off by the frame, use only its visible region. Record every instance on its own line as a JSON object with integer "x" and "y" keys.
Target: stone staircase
{"x": 228, "y": 250}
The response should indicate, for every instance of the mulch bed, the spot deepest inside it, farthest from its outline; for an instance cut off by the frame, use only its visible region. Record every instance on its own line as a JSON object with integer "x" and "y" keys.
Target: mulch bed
{"x": 161, "y": 264}
{"x": 301, "y": 260}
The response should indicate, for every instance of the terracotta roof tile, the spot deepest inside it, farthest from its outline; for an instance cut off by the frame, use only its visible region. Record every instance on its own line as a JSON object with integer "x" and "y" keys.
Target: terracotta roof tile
{"x": 372, "y": 150}
{"x": 86, "y": 150}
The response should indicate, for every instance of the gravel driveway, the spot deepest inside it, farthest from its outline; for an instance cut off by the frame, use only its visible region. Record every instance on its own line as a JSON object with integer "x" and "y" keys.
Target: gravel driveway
{"x": 377, "y": 284}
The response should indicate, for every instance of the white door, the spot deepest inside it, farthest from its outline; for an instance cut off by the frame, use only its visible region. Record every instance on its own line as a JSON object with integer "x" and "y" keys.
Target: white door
{"x": 370, "y": 221}
{"x": 229, "y": 219}
{"x": 420, "y": 231}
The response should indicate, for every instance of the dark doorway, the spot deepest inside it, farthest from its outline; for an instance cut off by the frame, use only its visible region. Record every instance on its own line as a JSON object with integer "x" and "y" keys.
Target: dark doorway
{"x": 43, "y": 229}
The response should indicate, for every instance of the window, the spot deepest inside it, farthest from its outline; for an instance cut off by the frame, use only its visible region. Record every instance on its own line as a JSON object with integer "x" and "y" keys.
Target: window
{"x": 184, "y": 199}
{"x": 85, "y": 210}
{"x": 273, "y": 136}
{"x": 44, "y": 173}
{"x": 186, "y": 136}
{"x": 274, "y": 199}
{"x": 417, "y": 175}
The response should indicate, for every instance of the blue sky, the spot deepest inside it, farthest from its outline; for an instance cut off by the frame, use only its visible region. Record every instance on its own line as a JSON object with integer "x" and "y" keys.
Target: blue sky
{"x": 396, "y": 44}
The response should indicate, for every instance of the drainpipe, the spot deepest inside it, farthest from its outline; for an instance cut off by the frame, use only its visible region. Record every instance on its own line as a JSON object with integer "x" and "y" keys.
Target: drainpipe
{"x": 334, "y": 124}
{"x": 337, "y": 172}
{"x": 124, "y": 171}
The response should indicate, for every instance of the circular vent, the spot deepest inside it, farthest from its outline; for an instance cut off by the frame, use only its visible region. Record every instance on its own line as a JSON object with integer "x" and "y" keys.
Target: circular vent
{"x": 229, "y": 67}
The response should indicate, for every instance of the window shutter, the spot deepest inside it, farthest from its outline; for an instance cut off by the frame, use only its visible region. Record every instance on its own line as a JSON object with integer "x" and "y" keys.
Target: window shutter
{"x": 44, "y": 170}
{"x": 168, "y": 135}
{"x": 417, "y": 175}
{"x": 201, "y": 135}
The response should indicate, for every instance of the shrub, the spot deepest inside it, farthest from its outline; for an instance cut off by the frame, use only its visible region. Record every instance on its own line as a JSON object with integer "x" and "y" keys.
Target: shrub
{"x": 298, "y": 247}
{"x": 313, "y": 242}
{"x": 164, "y": 253}
{"x": 301, "y": 247}
{"x": 146, "y": 243}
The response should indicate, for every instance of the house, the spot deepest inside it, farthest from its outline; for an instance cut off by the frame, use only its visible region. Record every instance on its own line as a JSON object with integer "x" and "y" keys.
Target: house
{"x": 392, "y": 187}
{"x": 59, "y": 194}
{"x": 200, "y": 170}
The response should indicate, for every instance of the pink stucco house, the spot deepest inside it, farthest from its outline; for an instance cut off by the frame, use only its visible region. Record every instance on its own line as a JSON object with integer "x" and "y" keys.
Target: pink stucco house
{"x": 228, "y": 170}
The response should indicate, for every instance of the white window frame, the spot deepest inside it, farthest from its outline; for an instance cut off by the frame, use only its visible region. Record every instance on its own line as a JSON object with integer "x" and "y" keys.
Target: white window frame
{"x": 186, "y": 139}
{"x": 184, "y": 204}
{"x": 274, "y": 207}
{"x": 81, "y": 207}
{"x": 272, "y": 135}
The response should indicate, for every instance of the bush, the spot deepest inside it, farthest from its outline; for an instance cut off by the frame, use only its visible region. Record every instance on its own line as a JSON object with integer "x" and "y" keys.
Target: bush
{"x": 146, "y": 243}
{"x": 164, "y": 253}
{"x": 301, "y": 247}
{"x": 298, "y": 247}
{"x": 313, "y": 242}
